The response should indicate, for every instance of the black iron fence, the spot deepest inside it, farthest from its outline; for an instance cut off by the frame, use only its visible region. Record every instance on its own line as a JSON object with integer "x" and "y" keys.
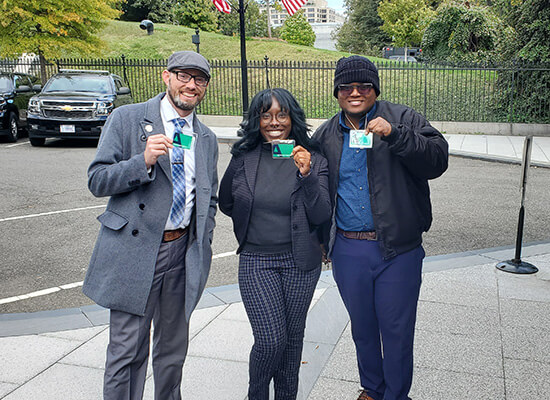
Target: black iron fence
{"x": 512, "y": 93}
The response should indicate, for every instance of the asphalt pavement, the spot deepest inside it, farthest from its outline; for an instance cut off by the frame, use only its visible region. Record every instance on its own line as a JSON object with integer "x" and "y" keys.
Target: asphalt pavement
{"x": 481, "y": 332}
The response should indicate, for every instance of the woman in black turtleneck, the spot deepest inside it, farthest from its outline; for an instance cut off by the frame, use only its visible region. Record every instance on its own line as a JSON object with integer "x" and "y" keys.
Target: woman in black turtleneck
{"x": 275, "y": 205}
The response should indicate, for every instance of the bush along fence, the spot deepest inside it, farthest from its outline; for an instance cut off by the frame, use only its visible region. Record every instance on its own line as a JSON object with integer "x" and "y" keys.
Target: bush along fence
{"x": 469, "y": 93}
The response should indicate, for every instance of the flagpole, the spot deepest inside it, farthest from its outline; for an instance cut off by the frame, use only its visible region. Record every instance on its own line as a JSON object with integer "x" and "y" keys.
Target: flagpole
{"x": 244, "y": 71}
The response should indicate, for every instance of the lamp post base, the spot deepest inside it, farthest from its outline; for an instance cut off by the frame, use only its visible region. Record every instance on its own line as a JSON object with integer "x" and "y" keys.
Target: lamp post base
{"x": 517, "y": 267}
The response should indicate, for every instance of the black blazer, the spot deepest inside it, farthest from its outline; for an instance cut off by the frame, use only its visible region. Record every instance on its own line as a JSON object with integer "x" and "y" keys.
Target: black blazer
{"x": 310, "y": 204}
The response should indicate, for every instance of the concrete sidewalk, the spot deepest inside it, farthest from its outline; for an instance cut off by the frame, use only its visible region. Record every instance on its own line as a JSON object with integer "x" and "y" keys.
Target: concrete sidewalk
{"x": 485, "y": 147}
{"x": 481, "y": 333}
{"x": 500, "y": 148}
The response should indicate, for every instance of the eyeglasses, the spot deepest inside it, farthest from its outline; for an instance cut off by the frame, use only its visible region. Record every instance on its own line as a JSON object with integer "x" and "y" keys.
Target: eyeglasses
{"x": 186, "y": 77}
{"x": 362, "y": 88}
{"x": 281, "y": 116}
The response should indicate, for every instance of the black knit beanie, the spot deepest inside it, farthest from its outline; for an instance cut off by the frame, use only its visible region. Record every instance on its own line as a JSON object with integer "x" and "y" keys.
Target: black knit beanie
{"x": 356, "y": 69}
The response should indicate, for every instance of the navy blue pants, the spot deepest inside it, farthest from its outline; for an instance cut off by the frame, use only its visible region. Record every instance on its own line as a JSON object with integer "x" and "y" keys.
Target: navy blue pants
{"x": 381, "y": 298}
{"x": 276, "y": 296}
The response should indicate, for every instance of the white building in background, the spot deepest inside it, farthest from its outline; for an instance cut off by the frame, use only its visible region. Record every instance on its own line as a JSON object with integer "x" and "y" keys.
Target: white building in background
{"x": 316, "y": 12}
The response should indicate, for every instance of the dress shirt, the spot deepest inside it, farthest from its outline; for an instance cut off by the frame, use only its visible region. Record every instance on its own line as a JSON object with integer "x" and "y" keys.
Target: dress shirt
{"x": 353, "y": 207}
{"x": 168, "y": 113}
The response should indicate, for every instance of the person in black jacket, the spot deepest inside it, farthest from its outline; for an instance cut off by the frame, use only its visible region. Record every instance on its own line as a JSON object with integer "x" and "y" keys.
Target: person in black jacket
{"x": 276, "y": 206}
{"x": 380, "y": 157}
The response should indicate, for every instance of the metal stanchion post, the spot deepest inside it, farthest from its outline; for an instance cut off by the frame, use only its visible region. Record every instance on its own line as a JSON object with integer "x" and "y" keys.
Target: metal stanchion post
{"x": 516, "y": 266}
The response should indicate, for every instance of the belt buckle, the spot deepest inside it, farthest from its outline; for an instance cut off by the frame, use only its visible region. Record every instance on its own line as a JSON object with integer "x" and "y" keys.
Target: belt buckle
{"x": 170, "y": 236}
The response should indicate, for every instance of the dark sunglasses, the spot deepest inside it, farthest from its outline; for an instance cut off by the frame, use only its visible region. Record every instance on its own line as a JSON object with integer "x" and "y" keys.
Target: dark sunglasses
{"x": 362, "y": 88}
{"x": 186, "y": 77}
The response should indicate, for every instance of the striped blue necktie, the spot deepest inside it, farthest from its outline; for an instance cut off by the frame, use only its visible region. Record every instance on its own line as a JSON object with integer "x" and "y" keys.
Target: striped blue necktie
{"x": 178, "y": 177}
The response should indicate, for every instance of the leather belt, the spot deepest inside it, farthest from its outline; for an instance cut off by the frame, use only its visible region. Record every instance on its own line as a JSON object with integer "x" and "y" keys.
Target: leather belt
{"x": 170, "y": 236}
{"x": 371, "y": 235}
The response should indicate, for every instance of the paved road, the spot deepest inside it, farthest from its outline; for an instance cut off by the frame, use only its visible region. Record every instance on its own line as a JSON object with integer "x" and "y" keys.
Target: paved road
{"x": 475, "y": 206}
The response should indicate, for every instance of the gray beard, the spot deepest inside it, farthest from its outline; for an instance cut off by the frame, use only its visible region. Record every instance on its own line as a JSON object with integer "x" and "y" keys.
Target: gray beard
{"x": 181, "y": 104}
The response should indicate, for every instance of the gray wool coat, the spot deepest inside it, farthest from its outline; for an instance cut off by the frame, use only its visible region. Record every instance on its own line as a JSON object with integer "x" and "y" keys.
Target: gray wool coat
{"x": 121, "y": 269}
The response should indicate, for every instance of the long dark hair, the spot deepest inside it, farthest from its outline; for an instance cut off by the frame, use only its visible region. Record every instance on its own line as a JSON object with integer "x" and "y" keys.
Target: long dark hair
{"x": 262, "y": 101}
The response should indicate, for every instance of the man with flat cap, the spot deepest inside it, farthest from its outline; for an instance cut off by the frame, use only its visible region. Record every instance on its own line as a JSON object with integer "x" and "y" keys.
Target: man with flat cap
{"x": 158, "y": 164}
{"x": 380, "y": 157}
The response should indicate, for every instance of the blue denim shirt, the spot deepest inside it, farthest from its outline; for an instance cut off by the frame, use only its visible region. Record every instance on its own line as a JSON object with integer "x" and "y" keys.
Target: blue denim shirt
{"x": 353, "y": 209}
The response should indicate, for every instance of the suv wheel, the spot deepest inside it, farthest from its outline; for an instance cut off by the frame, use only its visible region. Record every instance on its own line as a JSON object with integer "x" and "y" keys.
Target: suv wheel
{"x": 37, "y": 141}
{"x": 14, "y": 128}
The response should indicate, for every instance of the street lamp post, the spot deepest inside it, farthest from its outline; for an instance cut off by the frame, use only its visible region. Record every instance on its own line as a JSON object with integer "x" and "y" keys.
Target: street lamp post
{"x": 244, "y": 72}
{"x": 196, "y": 39}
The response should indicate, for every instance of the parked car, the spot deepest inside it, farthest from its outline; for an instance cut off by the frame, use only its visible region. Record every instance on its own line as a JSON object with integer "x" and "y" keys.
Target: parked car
{"x": 402, "y": 58}
{"x": 15, "y": 91}
{"x": 75, "y": 104}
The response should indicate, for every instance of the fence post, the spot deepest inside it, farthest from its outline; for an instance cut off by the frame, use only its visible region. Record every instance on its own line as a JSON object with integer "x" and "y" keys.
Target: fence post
{"x": 266, "y": 60}
{"x": 514, "y": 71}
{"x": 124, "y": 70}
{"x": 425, "y": 90}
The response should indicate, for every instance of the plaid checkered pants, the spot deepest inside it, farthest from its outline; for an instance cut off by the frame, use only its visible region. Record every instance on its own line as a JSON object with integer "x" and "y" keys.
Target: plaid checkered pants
{"x": 276, "y": 296}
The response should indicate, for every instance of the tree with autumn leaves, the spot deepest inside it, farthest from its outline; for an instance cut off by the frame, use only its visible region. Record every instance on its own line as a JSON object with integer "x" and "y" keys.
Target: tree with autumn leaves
{"x": 49, "y": 27}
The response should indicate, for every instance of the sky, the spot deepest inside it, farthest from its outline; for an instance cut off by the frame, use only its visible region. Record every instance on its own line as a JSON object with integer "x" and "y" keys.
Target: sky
{"x": 337, "y": 5}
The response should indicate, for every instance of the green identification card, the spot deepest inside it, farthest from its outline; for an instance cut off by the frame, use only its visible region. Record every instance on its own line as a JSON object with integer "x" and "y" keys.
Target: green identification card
{"x": 182, "y": 140}
{"x": 282, "y": 148}
{"x": 360, "y": 139}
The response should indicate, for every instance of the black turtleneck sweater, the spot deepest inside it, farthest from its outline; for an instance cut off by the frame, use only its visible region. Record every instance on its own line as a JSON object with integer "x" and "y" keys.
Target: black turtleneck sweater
{"x": 269, "y": 225}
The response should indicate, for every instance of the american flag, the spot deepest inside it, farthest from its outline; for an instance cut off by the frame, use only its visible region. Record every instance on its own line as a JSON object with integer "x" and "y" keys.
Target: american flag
{"x": 222, "y": 6}
{"x": 293, "y": 5}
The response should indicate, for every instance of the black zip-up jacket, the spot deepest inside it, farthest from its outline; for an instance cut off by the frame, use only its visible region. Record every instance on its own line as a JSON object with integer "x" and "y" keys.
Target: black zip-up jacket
{"x": 399, "y": 167}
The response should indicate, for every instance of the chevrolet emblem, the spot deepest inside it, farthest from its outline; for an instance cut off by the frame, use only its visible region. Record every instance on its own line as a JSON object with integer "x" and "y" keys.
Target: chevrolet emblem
{"x": 67, "y": 108}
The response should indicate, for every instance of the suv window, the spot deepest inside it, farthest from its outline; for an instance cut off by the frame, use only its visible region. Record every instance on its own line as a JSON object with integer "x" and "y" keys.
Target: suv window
{"x": 118, "y": 83}
{"x": 23, "y": 80}
{"x": 79, "y": 83}
{"x": 5, "y": 84}
{"x": 20, "y": 81}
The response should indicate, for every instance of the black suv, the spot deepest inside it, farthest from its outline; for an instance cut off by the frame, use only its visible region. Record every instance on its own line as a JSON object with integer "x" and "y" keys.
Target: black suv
{"x": 75, "y": 104}
{"x": 15, "y": 91}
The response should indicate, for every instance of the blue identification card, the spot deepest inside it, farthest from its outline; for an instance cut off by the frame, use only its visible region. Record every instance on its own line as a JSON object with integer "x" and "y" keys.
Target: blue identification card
{"x": 360, "y": 139}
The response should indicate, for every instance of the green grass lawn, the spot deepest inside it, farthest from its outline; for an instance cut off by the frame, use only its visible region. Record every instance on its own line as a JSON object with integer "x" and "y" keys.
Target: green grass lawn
{"x": 127, "y": 38}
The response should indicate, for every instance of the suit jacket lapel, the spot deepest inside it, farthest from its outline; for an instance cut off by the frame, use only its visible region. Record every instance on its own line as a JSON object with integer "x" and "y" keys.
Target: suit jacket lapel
{"x": 200, "y": 154}
{"x": 152, "y": 125}
{"x": 251, "y": 162}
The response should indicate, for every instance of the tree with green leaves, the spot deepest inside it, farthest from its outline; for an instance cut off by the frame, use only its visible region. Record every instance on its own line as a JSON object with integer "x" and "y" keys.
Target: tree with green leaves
{"x": 463, "y": 32}
{"x": 197, "y": 14}
{"x": 48, "y": 28}
{"x": 361, "y": 32}
{"x": 525, "y": 93}
{"x": 155, "y": 10}
{"x": 255, "y": 22}
{"x": 267, "y": 4}
{"x": 405, "y": 20}
{"x": 531, "y": 22}
{"x": 297, "y": 30}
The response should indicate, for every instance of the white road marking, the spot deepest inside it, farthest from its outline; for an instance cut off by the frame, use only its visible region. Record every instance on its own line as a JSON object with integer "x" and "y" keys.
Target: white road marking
{"x": 16, "y": 144}
{"x": 55, "y": 289}
{"x": 50, "y": 213}
{"x": 222, "y": 255}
